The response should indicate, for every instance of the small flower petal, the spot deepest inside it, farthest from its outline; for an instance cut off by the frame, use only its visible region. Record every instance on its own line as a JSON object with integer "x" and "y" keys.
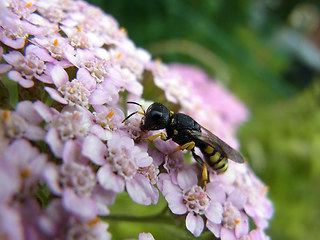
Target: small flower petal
{"x": 216, "y": 192}
{"x": 51, "y": 177}
{"x": 11, "y": 223}
{"x": 195, "y": 224}
{"x": 175, "y": 203}
{"x": 27, "y": 111}
{"x": 187, "y": 177}
{"x": 141, "y": 190}
{"x": 166, "y": 186}
{"x": 214, "y": 212}
{"x": 227, "y": 234}
{"x": 44, "y": 111}
{"x": 52, "y": 138}
{"x": 54, "y": 94}
{"x": 15, "y": 76}
{"x": 214, "y": 228}
{"x": 110, "y": 181}
{"x": 108, "y": 94}
{"x": 59, "y": 75}
{"x": 87, "y": 80}
{"x": 145, "y": 236}
{"x": 81, "y": 206}
{"x": 94, "y": 149}
{"x": 242, "y": 228}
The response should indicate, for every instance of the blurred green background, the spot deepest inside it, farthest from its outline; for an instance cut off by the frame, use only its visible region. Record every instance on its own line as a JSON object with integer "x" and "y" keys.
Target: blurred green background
{"x": 267, "y": 53}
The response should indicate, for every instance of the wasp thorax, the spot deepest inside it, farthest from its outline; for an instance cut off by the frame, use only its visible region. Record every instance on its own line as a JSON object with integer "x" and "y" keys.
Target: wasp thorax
{"x": 156, "y": 117}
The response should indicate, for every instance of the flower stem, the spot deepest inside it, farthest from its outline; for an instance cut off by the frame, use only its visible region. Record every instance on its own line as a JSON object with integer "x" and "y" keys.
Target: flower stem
{"x": 156, "y": 218}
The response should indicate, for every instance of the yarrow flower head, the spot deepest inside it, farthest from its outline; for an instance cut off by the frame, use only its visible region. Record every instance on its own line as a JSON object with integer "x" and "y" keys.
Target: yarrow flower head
{"x": 186, "y": 197}
{"x": 65, "y": 151}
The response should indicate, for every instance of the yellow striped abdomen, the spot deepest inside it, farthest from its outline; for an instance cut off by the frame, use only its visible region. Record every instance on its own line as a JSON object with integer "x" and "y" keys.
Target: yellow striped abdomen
{"x": 215, "y": 159}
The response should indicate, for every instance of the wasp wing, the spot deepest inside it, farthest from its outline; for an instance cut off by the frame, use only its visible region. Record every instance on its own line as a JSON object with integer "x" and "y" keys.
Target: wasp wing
{"x": 208, "y": 138}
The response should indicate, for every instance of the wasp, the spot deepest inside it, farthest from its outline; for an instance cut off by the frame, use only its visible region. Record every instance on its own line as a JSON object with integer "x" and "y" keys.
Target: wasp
{"x": 189, "y": 134}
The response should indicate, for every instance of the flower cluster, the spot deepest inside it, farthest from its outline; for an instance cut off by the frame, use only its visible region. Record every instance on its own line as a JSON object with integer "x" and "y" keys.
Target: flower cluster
{"x": 65, "y": 153}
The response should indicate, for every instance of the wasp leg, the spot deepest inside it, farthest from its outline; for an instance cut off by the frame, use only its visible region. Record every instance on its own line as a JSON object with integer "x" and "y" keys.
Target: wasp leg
{"x": 197, "y": 158}
{"x": 153, "y": 137}
{"x": 204, "y": 170}
{"x": 205, "y": 176}
{"x": 188, "y": 146}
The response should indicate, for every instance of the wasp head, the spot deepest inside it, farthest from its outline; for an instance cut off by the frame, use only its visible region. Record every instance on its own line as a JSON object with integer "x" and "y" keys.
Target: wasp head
{"x": 156, "y": 117}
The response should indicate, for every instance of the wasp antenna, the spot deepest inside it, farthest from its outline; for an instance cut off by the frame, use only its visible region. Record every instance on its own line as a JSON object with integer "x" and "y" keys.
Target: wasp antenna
{"x": 138, "y": 105}
{"x": 129, "y": 116}
{"x": 135, "y": 103}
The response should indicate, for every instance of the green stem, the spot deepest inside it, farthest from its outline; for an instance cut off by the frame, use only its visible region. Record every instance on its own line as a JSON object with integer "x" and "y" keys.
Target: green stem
{"x": 156, "y": 218}
{"x": 153, "y": 219}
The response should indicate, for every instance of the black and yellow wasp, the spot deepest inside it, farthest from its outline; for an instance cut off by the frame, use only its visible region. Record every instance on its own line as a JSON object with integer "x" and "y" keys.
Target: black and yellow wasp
{"x": 189, "y": 134}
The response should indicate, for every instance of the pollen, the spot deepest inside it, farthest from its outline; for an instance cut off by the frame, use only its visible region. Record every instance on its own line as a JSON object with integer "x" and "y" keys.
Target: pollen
{"x": 6, "y": 114}
{"x": 158, "y": 60}
{"x": 25, "y": 173}
{"x": 29, "y": 4}
{"x": 79, "y": 29}
{"x": 77, "y": 115}
{"x": 119, "y": 55}
{"x": 191, "y": 198}
{"x": 237, "y": 221}
{"x": 122, "y": 29}
{"x": 110, "y": 114}
{"x": 55, "y": 42}
{"x": 93, "y": 222}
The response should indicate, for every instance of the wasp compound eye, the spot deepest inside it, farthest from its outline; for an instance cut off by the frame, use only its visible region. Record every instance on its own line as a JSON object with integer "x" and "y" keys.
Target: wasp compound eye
{"x": 157, "y": 117}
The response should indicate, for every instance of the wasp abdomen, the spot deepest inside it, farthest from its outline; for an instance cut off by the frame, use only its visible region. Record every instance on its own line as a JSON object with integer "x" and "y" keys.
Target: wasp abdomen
{"x": 215, "y": 159}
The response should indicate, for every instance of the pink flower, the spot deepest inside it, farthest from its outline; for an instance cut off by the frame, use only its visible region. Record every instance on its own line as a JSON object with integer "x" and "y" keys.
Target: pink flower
{"x": 57, "y": 48}
{"x": 257, "y": 234}
{"x": 65, "y": 153}
{"x": 123, "y": 170}
{"x": 132, "y": 58}
{"x": 72, "y": 123}
{"x": 25, "y": 164}
{"x": 186, "y": 197}
{"x": 26, "y": 68}
{"x": 24, "y": 122}
{"x": 22, "y": 8}
{"x": 3, "y": 66}
{"x": 237, "y": 190}
{"x": 75, "y": 92}
{"x": 234, "y": 222}
{"x": 8, "y": 218}
{"x": 56, "y": 223}
{"x": 96, "y": 62}
{"x": 145, "y": 236}
{"x": 108, "y": 119}
{"x": 13, "y": 31}
{"x": 95, "y": 229}
{"x": 76, "y": 184}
